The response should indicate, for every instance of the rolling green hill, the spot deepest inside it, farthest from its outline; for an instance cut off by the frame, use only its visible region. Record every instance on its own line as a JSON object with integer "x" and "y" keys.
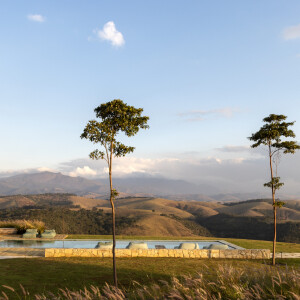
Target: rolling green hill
{"x": 157, "y": 216}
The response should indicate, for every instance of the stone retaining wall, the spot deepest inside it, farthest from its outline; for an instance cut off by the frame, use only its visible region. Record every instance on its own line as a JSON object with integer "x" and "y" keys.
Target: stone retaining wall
{"x": 199, "y": 253}
{"x": 5, "y": 231}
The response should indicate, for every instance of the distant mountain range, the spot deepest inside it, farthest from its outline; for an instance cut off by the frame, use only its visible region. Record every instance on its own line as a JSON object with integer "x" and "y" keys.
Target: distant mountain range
{"x": 48, "y": 182}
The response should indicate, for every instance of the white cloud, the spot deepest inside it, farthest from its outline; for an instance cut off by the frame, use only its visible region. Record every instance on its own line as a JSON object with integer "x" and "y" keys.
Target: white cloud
{"x": 111, "y": 34}
{"x": 133, "y": 165}
{"x": 291, "y": 33}
{"x": 46, "y": 169}
{"x": 121, "y": 166}
{"x": 36, "y": 18}
{"x": 9, "y": 173}
{"x": 84, "y": 171}
{"x": 199, "y": 115}
{"x": 237, "y": 174}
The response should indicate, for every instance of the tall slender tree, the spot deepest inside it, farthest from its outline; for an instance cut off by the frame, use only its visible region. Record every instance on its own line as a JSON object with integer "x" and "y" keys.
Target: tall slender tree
{"x": 271, "y": 135}
{"x": 115, "y": 117}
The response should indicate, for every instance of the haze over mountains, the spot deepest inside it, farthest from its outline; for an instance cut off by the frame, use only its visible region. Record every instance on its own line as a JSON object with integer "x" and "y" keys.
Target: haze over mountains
{"x": 48, "y": 182}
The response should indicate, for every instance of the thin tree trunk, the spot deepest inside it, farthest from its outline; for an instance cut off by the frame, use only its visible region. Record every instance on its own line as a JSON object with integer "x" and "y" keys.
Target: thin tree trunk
{"x": 274, "y": 241}
{"x": 274, "y": 207}
{"x": 113, "y": 218}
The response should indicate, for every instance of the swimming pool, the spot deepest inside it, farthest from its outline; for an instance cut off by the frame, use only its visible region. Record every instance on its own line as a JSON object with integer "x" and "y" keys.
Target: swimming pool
{"x": 121, "y": 244}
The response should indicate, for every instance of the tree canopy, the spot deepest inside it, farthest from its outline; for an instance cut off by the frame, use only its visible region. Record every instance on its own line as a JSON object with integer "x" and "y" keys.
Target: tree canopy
{"x": 272, "y": 132}
{"x": 116, "y": 116}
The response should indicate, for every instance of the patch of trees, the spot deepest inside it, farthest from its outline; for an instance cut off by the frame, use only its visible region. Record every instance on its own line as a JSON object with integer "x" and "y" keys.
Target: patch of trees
{"x": 67, "y": 221}
{"x": 51, "y": 199}
{"x": 246, "y": 201}
{"x": 257, "y": 228}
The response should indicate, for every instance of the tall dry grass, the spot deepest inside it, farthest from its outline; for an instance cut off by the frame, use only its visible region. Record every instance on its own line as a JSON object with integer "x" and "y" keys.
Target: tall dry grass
{"x": 22, "y": 225}
{"x": 223, "y": 282}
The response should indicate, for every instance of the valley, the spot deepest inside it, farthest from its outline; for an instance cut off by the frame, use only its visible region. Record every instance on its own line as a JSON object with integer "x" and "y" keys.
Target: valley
{"x": 150, "y": 216}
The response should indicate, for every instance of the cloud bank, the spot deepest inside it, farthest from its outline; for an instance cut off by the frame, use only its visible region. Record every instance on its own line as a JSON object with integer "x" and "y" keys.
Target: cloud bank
{"x": 84, "y": 171}
{"x": 242, "y": 174}
{"x": 234, "y": 175}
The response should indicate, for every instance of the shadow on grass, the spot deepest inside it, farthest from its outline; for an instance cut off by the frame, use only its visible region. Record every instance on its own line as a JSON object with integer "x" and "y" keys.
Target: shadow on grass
{"x": 41, "y": 275}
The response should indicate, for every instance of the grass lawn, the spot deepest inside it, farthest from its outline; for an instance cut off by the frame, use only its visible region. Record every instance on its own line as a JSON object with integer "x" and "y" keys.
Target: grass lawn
{"x": 38, "y": 275}
{"x": 248, "y": 244}
{"x": 255, "y": 244}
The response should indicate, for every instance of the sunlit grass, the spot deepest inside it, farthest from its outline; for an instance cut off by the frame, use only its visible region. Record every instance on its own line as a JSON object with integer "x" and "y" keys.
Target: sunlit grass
{"x": 141, "y": 277}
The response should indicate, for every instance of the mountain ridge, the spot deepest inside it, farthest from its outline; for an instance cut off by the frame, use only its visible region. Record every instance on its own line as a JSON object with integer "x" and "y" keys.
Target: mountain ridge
{"x": 50, "y": 182}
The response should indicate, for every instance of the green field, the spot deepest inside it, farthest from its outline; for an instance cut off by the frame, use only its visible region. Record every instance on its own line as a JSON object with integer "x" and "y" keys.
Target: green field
{"x": 247, "y": 244}
{"x": 38, "y": 275}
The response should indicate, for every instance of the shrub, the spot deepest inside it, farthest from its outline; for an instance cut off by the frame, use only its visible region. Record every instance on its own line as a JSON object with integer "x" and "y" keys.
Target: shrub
{"x": 22, "y": 225}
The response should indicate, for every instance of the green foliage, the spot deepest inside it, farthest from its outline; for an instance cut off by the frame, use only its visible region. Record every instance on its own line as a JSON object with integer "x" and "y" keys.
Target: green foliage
{"x": 114, "y": 193}
{"x": 272, "y": 132}
{"x": 64, "y": 220}
{"x": 274, "y": 183}
{"x": 23, "y": 225}
{"x": 115, "y": 117}
{"x": 279, "y": 204}
{"x": 271, "y": 135}
{"x": 258, "y": 228}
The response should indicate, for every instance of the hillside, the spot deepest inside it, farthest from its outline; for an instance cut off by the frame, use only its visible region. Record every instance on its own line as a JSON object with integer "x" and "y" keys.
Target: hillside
{"x": 159, "y": 226}
{"x": 157, "y": 206}
{"x": 49, "y": 200}
{"x": 165, "y": 217}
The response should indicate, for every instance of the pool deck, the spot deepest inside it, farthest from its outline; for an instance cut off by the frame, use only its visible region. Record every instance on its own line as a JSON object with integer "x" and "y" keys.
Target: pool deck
{"x": 25, "y": 252}
{"x": 21, "y": 252}
{"x": 18, "y": 237}
{"x": 6, "y": 253}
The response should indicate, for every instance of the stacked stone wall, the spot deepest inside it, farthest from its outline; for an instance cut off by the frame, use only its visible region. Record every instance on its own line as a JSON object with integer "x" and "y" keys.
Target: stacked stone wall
{"x": 198, "y": 253}
{"x": 7, "y": 231}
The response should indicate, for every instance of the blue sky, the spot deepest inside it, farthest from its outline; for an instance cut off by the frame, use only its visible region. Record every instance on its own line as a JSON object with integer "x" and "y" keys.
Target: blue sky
{"x": 206, "y": 72}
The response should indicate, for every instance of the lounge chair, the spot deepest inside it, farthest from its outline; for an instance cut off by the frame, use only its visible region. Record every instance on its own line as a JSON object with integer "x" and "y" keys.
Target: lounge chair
{"x": 217, "y": 246}
{"x": 160, "y": 247}
{"x": 104, "y": 245}
{"x": 137, "y": 245}
{"x": 30, "y": 234}
{"x": 48, "y": 234}
{"x": 188, "y": 246}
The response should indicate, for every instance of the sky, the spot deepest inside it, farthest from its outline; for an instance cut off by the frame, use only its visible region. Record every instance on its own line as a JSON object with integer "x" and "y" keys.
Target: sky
{"x": 205, "y": 72}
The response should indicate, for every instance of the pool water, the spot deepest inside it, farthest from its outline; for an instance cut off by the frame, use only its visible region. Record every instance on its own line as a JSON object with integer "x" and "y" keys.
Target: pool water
{"x": 92, "y": 244}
